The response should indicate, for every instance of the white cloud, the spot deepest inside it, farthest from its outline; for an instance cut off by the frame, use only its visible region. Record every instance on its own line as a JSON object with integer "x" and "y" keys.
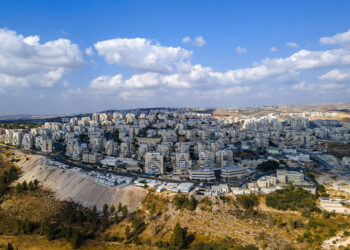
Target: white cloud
{"x": 336, "y": 75}
{"x": 107, "y": 83}
{"x": 137, "y": 95}
{"x": 301, "y": 60}
{"x": 342, "y": 39}
{"x": 303, "y": 86}
{"x": 273, "y": 49}
{"x": 197, "y": 77}
{"x": 331, "y": 86}
{"x": 199, "y": 41}
{"x": 24, "y": 62}
{"x": 72, "y": 92}
{"x": 292, "y": 45}
{"x": 89, "y": 51}
{"x": 186, "y": 39}
{"x": 149, "y": 79}
{"x": 177, "y": 74}
{"x": 142, "y": 55}
{"x": 65, "y": 83}
{"x": 240, "y": 49}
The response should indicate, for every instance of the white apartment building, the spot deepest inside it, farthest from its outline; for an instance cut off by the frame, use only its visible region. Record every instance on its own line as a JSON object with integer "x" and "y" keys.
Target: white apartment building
{"x": 154, "y": 163}
{"x": 266, "y": 181}
{"x": 46, "y": 145}
{"x": 224, "y": 157}
{"x": 206, "y": 159}
{"x": 17, "y": 138}
{"x": 285, "y": 176}
{"x": 182, "y": 163}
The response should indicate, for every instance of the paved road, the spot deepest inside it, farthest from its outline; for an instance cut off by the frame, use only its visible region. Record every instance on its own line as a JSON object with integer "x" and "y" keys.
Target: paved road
{"x": 64, "y": 160}
{"x": 316, "y": 158}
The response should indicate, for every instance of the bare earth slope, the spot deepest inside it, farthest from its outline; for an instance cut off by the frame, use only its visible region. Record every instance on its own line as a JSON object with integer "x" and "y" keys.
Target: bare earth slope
{"x": 81, "y": 188}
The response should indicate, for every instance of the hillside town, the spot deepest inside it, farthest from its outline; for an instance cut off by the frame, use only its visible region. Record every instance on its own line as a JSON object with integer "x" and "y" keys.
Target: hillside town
{"x": 184, "y": 151}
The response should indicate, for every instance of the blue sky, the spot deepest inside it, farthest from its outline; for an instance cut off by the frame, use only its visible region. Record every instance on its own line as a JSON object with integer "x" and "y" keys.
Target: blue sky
{"x": 171, "y": 54}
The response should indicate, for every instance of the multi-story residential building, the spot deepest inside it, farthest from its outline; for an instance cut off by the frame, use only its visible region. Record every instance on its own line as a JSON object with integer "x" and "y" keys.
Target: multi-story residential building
{"x": 183, "y": 163}
{"x": 92, "y": 158}
{"x": 28, "y": 141}
{"x": 206, "y": 159}
{"x": 224, "y": 157}
{"x": 109, "y": 148}
{"x": 154, "y": 163}
{"x": 9, "y": 136}
{"x": 46, "y": 145}
{"x": 266, "y": 181}
{"x": 285, "y": 176}
{"x": 17, "y": 138}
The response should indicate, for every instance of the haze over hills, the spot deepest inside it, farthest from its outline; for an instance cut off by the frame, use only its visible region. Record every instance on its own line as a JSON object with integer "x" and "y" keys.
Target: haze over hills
{"x": 262, "y": 110}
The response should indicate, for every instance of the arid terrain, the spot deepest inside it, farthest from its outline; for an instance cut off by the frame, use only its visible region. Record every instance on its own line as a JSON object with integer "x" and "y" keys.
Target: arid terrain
{"x": 215, "y": 221}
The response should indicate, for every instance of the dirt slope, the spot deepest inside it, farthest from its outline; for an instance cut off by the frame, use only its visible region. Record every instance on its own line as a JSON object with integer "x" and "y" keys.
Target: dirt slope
{"x": 68, "y": 184}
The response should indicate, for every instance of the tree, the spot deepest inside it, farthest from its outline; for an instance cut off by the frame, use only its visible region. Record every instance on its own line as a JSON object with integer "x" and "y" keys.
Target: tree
{"x": 104, "y": 221}
{"x": 112, "y": 209}
{"x": 105, "y": 209}
{"x": 48, "y": 229}
{"x": 178, "y": 238}
{"x": 28, "y": 226}
{"x": 248, "y": 201}
{"x": 268, "y": 166}
{"x": 291, "y": 198}
{"x": 18, "y": 226}
{"x": 116, "y": 219}
{"x": 18, "y": 188}
{"x": 75, "y": 239}
{"x": 24, "y": 186}
{"x": 127, "y": 232}
{"x": 125, "y": 211}
{"x": 9, "y": 246}
{"x": 193, "y": 203}
{"x": 120, "y": 207}
{"x": 92, "y": 215}
{"x": 31, "y": 186}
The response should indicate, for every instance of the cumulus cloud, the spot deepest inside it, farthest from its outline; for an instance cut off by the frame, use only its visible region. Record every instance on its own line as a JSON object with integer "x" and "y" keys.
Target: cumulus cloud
{"x": 292, "y": 45}
{"x": 342, "y": 39}
{"x": 139, "y": 95}
{"x": 240, "y": 49}
{"x": 199, "y": 41}
{"x": 303, "y": 86}
{"x": 24, "y": 62}
{"x": 301, "y": 60}
{"x": 331, "y": 86}
{"x": 142, "y": 55}
{"x": 72, "y": 92}
{"x": 107, "y": 83}
{"x": 177, "y": 74}
{"x": 89, "y": 51}
{"x": 336, "y": 75}
{"x": 186, "y": 39}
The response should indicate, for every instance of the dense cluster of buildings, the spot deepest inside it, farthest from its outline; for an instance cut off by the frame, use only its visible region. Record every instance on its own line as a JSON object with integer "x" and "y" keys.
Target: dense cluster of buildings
{"x": 191, "y": 146}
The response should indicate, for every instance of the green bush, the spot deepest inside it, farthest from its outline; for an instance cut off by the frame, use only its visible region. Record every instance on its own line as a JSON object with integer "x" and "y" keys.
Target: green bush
{"x": 290, "y": 198}
{"x": 248, "y": 200}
